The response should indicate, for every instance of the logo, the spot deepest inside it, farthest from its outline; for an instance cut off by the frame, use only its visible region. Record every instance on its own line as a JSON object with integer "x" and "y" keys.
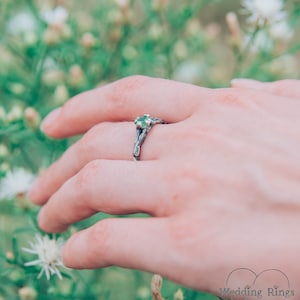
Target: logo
{"x": 244, "y": 283}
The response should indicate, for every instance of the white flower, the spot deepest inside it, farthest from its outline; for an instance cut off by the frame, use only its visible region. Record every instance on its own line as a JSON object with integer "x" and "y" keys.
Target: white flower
{"x": 22, "y": 23}
{"x": 16, "y": 183}
{"x": 281, "y": 31}
{"x": 123, "y": 4}
{"x": 264, "y": 11}
{"x": 48, "y": 252}
{"x": 56, "y": 16}
{"x": 189, "y": 71}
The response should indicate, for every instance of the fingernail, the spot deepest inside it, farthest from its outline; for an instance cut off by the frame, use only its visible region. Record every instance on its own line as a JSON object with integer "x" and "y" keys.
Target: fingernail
{"x": 246, "y": 83}
{"x": 50, "y": 119}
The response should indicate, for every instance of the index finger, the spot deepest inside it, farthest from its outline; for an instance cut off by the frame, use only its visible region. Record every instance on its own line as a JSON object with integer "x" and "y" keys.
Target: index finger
{"x": 124, "y": 100}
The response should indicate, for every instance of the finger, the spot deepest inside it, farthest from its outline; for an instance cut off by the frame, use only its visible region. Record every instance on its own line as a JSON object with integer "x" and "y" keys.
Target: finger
{"x": 112, "y": 141}
{"x": 286, "y": 88}
{"x": 124, "y": 100}
{"x": 114, "y": 187}
{"x": 129, "y": 243}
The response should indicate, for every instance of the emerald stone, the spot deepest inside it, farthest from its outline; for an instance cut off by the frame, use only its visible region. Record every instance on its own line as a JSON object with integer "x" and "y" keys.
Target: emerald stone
{"x": 143, "y": 122}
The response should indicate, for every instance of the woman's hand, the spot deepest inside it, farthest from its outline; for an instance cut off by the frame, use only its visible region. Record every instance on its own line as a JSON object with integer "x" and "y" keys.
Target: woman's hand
{"x": 221, "y": 181}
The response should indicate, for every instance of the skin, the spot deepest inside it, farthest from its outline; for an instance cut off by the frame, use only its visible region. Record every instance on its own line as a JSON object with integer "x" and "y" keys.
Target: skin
{"x": 221, "y": 181}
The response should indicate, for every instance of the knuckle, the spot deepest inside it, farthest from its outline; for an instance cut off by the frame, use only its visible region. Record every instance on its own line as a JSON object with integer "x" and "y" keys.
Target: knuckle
{"x": 100, "y": 235}
{"x": 87, "y": 146}
{"x": 85, "y": 177}
{"x": 282, "y": 86}
{"x": 125, "y": 88}
{"x": 186, "y": 181}
{"x": 232, "y": 97}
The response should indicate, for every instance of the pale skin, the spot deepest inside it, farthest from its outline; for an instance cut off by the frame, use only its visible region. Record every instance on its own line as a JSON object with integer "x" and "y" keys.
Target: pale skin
{"x": 221, "y": 180}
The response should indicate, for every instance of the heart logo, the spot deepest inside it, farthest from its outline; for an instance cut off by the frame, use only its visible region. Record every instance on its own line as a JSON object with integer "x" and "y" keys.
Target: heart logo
{"x": 245, "y": 284}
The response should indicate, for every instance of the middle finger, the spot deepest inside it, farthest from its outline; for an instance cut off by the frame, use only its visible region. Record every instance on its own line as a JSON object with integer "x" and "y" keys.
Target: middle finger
{"x": 109, "y": 141}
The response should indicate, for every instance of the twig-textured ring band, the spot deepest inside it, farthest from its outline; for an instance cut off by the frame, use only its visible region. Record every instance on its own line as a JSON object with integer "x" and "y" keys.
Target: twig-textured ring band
{"x": 143, "y": 126}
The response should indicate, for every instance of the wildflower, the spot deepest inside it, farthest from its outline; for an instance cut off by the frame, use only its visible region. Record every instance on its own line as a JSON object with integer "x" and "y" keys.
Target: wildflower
{"x": 61, "y": 94}
{"x": 27, "y": 293}
{"x": 180, "y": 49}
{"x": 156, "y": 284}
{"x": 234, "y": 29}
{"x": 56, "y": 17}
{"x": 16, "y": 183}
{"x": 3, "y": 151}
{"x": 262, "y": 12}
{"x": 179, "y": 295}
{"x": 88, "y": 40}
{"x": 76, "y": 76}
{"x": 190, "y": 71}
{"x": 32, "y": 118}
{"x": 22, "y": 23}
{"x": 16, "y": 113}
{"x": 122, "y": 4}
{"x": 281, "y": 31}
{"x": 48, "y": 252}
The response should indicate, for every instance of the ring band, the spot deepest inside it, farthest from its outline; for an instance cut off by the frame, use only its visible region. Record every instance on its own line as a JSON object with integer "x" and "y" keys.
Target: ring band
{"x": 143, "y": 126}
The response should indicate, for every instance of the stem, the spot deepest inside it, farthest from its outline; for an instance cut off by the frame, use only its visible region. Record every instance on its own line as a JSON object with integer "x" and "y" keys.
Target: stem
{"x": 242, "y": 56}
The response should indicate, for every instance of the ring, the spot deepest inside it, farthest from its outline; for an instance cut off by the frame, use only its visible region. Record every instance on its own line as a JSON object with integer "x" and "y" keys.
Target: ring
{"x": 143, "y": 126}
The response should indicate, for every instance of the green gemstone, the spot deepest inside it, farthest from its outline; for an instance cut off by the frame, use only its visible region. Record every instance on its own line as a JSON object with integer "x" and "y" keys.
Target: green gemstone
{"x": 143, "y": 122}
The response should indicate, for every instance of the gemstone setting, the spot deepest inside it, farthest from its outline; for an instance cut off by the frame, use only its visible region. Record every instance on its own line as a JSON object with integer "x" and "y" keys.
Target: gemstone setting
{"x": 143, "y": 122}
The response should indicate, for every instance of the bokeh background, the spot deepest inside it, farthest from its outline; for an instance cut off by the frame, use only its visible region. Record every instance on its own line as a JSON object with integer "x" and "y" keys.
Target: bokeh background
{"x": 53, "y": 50}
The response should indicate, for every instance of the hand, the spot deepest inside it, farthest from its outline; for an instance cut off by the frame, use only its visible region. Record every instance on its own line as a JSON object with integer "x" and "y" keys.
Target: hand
{"x": 221, "y": 181}
{"x": 286, "y": 88}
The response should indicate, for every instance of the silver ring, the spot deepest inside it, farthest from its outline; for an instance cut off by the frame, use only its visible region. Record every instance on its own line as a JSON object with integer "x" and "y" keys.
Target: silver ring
{"x": 143, "y": 126}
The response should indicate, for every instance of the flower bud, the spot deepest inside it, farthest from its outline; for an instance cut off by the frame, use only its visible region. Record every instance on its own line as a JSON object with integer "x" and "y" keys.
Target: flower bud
{"x": 155, "y": 31}
{"x": 193, "y": 27}
{"x": 159, "y": 5}
{"x": 51, "y": 36}
{"x": 30, "y": 38}
{"x": 213, "y": 30}
{"x": 32, "y": 118}
{"x": 179, "y": 295}
{"x": 9, "y": 256}
{"x": 234, "y": 29}
{"x": 122, "y": 4}
{"x": 115, "y": 35}
{"x": 61, "y": 94}
{"x": 27, "y": 293}
{"x": 17, "y": 88}
{"x": 53, "y": 77}
{"x": 66, "y": 32}
{"x": 143, "y": 292}
{"x": 129, "y": 52}
{"x": 88, "y": 40}
{"x": 156, "y": 284}
{"x": 3, "y": 151}
{"x": 16, "y": 113}
{"x": 180, "y": 49}
{"x": 76, "y": 76}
